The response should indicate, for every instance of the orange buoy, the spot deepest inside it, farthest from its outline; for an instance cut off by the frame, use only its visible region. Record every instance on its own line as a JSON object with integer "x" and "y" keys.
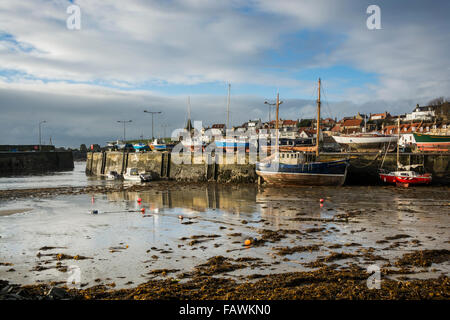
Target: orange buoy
{"x": 321, "y": 205}
{"x": 247, "y": 242}
{"x": 321, "y": 200}
{"x": 143, "y": 210}
{"x": 180, "y": 217}
{"x": 139, "y": 200}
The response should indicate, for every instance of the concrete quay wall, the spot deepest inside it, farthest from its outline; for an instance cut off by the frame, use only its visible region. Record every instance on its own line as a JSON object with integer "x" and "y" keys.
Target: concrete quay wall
{"x": 23, "y": 163}
{"x": 235, "y": 168}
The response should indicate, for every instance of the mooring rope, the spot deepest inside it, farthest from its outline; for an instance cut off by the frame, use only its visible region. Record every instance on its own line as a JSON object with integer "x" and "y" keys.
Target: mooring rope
{"x": 369, "y": 164}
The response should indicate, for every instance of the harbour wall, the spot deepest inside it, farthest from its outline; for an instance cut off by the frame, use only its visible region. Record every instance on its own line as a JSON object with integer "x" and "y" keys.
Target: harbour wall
{"x": 23, "y": 163}
{"x": 363, "y": 169}
{"x": 196, "y": 168}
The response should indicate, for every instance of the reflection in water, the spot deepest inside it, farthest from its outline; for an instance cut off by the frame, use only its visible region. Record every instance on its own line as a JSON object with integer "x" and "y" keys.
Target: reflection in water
{"x": 199, "y": 199}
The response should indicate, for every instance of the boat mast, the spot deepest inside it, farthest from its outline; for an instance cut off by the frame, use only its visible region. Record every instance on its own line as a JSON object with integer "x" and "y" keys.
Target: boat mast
{"x": 398, "y": 140}
{"x": 228, "y": 107}
{"x": 276, "y": 124}
{"x": 189, "y": 108}
{"x": 318, "y": 122}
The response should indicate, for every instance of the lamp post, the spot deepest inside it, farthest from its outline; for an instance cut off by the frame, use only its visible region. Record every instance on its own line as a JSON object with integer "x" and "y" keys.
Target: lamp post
{"x": 270, "y": 108}
{"x": 152, "y": 113}
{"x": 40, "y": 138}
{"x": 124, "y": 122}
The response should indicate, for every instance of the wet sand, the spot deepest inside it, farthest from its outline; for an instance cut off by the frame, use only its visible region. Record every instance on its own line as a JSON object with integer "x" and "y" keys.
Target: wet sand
{"x": 13, "y": 211}
{"x": 189, "y": 243}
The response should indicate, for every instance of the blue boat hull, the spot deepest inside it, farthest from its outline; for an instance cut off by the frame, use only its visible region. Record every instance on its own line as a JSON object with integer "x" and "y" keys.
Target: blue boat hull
{"x": 330, "y": 173}
{"x": 160, "y": 147}
{"x": 223, "y": 144}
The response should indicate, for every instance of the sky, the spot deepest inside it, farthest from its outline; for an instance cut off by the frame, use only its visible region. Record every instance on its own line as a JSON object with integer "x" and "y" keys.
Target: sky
{"x": 135, "y": 55}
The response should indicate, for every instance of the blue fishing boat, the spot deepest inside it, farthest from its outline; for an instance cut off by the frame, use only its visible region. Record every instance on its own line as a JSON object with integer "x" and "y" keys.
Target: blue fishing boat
{"x": 141, "y": 147}
{"x": 295, "y": 168}
{"x": 302, "y": 168}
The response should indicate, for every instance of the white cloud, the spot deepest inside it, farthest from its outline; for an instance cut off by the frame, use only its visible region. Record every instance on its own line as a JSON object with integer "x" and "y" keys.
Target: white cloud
{"x": 127, "y": 44}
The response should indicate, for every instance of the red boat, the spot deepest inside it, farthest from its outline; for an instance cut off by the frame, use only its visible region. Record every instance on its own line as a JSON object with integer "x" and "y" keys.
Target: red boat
{"x": 405, "y": 178}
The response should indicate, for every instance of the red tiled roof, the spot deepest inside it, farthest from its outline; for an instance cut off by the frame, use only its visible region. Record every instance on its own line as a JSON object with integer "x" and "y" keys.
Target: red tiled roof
{"x": 289, "y": 122}
{"x": 336, "y": 128}
{"x": 352, "y": 123}
{"x": 380, "y": 114}
{"x": 408, "y": 126}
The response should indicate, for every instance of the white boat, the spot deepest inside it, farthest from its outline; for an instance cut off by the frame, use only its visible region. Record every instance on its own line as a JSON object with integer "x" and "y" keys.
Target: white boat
{"x": 133, "y": 174}
{"x": 366, "y": 141}
{"x": 158, "y": 145}
{"x": 113, "y": 175}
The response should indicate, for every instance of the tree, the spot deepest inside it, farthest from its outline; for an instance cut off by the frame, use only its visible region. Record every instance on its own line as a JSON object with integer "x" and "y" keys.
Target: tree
{"x": 437, "y": 102}
{"x": 304, "y": 123}
{"x": 83, "y": 148}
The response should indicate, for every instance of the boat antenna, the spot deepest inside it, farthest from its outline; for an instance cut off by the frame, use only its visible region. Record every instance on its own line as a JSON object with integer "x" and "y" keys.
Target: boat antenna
{"x": 276, "y": 124}
{"x": 365, "y": 123}
{"x": 228, "y": 106}
{"x": 318, "y": 122}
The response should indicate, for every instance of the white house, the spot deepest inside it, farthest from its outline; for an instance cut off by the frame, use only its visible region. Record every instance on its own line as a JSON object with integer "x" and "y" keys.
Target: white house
{"x": 255, "y": 124}
{"x": 421, "y": 113}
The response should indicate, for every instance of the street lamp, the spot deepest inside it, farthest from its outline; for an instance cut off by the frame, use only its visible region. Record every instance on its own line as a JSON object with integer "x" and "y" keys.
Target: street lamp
{"x": 40, "y": 139}
{"x": 124, "y": 122}
{"x": 270, "y": 108}
{"x": 152, "y": 113}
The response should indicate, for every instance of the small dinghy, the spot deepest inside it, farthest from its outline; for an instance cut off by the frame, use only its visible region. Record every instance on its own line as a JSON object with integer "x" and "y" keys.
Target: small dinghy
{"x": 133, "y": 174}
